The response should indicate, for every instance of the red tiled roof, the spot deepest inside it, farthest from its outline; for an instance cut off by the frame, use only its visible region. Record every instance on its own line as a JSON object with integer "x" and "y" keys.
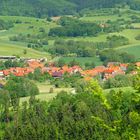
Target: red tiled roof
{"x": 124, "y": 65}
{"x": 138, "y": 64}
{"x": 35, "y": 64}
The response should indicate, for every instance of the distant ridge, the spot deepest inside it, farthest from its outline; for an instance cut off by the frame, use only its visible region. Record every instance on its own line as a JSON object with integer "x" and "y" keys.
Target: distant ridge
{"x": 41, "y": 8}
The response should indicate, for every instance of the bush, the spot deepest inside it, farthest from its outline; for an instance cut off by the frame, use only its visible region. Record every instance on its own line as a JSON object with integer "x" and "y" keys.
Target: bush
{"x": 21, "y": 87}
{"x": 119, "y": 81}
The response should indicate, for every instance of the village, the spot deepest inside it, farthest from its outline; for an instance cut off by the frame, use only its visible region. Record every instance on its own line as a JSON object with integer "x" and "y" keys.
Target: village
{"x": 105, "y": 72}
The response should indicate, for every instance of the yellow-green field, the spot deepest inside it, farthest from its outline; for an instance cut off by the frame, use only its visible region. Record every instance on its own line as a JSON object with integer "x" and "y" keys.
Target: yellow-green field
{"x": 45, "y": 95}
{"x": 18, "y": 50}
{"x": 44, "y": 89}
{"x": 102, "y": 18}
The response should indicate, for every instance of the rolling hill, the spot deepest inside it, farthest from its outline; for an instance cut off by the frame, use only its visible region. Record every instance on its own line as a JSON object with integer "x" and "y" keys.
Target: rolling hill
{"x": 8, "y": 47}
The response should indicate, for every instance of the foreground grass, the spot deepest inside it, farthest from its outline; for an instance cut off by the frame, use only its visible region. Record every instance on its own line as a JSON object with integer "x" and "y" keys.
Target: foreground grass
{"x": 124, "y": 89}
{"x": 45, "y": 95}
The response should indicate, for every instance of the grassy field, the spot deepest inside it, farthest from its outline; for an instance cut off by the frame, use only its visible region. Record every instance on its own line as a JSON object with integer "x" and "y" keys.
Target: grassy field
{"x": 135, "y": 50}
{"x": 45, "y": 95}
{"x": 103, "y": 18}
{"x": 124, "y": 89}
{"x": 128, "y": 33}
{"x": 18, "y": 50}
{"x": 83, "y": 60}
{"x": 24, "y": 26}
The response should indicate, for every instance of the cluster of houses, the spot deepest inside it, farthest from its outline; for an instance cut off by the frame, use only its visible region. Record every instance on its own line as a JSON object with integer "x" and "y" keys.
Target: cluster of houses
{"x": 111, "y": 70}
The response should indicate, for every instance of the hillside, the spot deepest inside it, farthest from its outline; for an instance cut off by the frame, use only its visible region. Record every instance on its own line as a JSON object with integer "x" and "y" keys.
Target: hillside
{"x": 28, "y": 32}
{"x": 40, "y": 8}
{"x": 8, "y": 47}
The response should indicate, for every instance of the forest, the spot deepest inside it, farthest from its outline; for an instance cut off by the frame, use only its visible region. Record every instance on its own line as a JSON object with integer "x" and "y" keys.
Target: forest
{"x": 41, "y": 8}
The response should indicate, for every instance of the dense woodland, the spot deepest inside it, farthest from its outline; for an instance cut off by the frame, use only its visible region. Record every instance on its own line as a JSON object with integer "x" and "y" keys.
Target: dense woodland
{"x": 40, "y": 8}
{"x": 90, "y": 114}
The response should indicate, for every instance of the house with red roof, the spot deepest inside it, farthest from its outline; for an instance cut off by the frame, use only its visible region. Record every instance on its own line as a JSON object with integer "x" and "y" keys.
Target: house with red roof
{"x": 112, "y": 72}
{"x": 17, "y": 71}
{"x": 35, "y": 64}
{"x": 138, "y": 64}
{"x": 123, "y": 66}
{"x": 112, "y": 69}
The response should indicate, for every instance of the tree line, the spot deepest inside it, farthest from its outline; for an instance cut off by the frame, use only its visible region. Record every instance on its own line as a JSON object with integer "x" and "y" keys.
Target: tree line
{"x": 41, "y": 8}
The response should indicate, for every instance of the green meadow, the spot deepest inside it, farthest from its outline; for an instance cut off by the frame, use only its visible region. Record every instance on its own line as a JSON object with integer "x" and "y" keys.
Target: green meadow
{"x": 45, "y": 95}
{"x": 135, "y": 50}
{"x": 83, "y": 60}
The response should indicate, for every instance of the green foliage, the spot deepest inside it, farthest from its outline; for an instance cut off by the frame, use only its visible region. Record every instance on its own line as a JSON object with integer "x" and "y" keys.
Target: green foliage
{"x": 67, "y": 81}
{"x": 136, "y": 81}
{"x": 93, "y": 87}
{"x": 73, "y": 48}
{"x": 131, "y": 67}
{"x": 21, "y": 87}
{"x": 111, "y": 55}
{"x": 115, "y": 41}
{"x": 60, "y": 63}
{"x": 11, "y": 63}
{"x": 74, "y": 27}
{"x": 42, "y": 8}
{"x": 38, "y": 8}
{"x": 135, "y": 4}
{"x": 39, "y": 76}
{"x": 34, "y": 41}
{"x": 137, "y": 37}
{"x": 86, "y": 115}
{"x": 68, "y": 116}
{"x": 119, "y": 81}
{"x": 6, "y": 25}
{"x": 90, "y": 65}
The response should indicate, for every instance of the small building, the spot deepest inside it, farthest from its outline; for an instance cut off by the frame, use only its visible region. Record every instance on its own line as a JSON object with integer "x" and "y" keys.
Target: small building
{"x": 1, "y": 86}
{"x": 138, "y": 64}
{"x": 57, "y": 74}
{"x": 7, "y": 57}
